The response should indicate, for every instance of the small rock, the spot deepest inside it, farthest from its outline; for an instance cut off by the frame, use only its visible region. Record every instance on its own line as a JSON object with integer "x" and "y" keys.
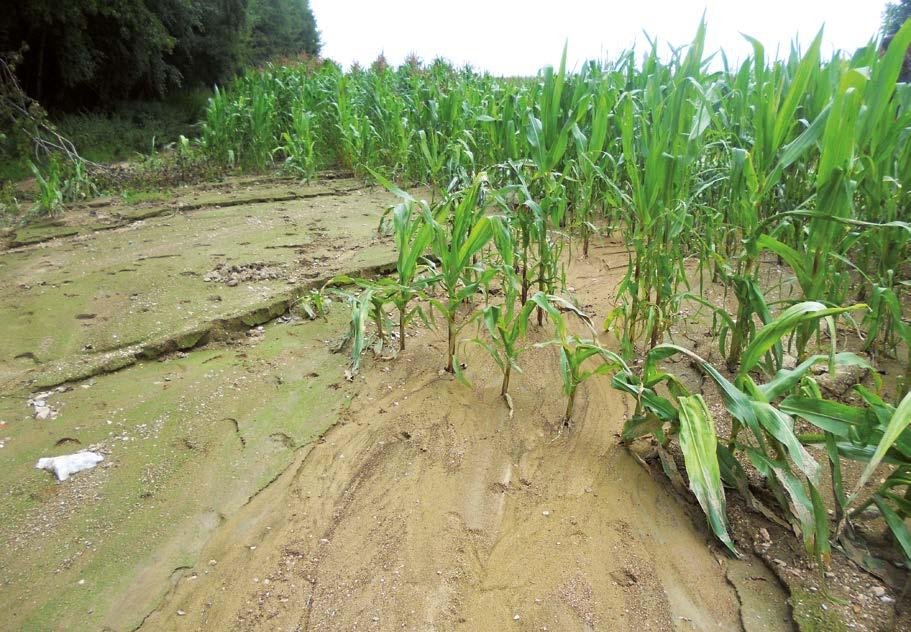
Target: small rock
{"x": 545, "y": 513}
{"x": 180, "y": 613}
{"x": 213, "y": 562}
{"x": 879, "y": 591}
{"x": 516, "y": 618}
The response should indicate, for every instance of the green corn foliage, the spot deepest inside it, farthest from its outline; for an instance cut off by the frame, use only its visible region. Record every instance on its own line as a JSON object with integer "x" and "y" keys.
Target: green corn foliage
{"x": 460, "y": 229}
{"x": 803, "y": 162}
{"x": 50, "y": 192}
{"x": 412, "y": 237}
{"x": 773, "y": 448}
{"x": 699, "y": 446}
{"x": 663, "y": 134}
{"x": 580, "y": 358}
{"x": 871, "y": 434}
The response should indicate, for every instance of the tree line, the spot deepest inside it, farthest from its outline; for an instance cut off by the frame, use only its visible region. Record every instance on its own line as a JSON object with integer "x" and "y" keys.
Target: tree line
{"x": 88, "y": 53}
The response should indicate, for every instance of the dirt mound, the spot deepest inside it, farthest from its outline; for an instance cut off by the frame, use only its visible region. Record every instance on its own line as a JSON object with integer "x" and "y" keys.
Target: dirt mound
{"x": 427, "y": 507}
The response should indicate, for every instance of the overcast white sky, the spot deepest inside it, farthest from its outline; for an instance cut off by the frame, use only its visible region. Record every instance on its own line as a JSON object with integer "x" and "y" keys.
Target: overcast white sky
{"x": 517, "y": 37}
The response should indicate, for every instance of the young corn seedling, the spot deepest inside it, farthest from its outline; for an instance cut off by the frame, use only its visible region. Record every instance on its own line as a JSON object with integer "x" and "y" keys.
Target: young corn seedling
{"x": 412, "y": 238}
{"x": 360, "y": 305}
{"x": 577, "y": 355}
{"x": 50, "y": 193}
{"x": 460, "y": 229}
{"x": 507, "y": 324}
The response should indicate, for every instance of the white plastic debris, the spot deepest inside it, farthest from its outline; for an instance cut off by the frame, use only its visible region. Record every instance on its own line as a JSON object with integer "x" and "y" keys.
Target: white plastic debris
{"x": 43, "y": 411}
{"x": 63, "y": 466}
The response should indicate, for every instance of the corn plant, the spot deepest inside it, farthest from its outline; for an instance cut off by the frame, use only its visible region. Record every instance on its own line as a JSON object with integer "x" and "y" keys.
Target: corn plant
{"x": 412, "y": 239}
{"x": 507, "y": 324}
{"x": 460, "y": 229}
{"x": 771, "y": 101}
{"x": 50, "y": 192}
{"x": 577, "y": 354}
{"x": 299, "y": 146}
{"x": 773, "y": 449}
{"x": 360, "y": 306}
{"x": 262, "y": 126}
{"x": 662, "y": 131}
{"x": 872, "y": 434}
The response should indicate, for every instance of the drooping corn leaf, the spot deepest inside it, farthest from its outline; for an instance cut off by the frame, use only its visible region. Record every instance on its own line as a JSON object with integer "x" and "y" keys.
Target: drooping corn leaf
{"x": 699, "y": 446}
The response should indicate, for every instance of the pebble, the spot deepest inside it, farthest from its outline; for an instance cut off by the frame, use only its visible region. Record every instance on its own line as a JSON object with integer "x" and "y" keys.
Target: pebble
{"x": 180, "y": 613}
{"x": 545, "y": 513}
{"x": 515, "y": 618}
{"x": 879, "y": 591}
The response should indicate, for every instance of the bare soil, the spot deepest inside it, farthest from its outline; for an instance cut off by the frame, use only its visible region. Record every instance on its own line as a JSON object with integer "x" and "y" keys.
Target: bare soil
{"x": 247, "y": 486}
{"x": 429, "y": 507}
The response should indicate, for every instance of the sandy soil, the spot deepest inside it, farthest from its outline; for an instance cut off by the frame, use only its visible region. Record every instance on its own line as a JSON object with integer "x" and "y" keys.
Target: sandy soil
{"x": 428, "y": 507}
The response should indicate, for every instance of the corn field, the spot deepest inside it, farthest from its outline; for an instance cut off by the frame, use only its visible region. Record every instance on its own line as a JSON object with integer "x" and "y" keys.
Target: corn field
{"x": 706, "y": 176}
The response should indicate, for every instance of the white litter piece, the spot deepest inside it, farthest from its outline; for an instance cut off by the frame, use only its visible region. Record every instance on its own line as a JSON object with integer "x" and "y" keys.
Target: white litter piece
{"x": 43, "y": 411}
{"x": 63, "y": 466}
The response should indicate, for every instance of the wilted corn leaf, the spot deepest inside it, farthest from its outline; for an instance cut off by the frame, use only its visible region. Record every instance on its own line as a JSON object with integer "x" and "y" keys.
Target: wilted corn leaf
{"x": 699, "y": 443}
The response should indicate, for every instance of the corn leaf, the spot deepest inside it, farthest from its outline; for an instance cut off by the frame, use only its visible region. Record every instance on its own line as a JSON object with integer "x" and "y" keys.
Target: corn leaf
{"x": 698, "y": 444}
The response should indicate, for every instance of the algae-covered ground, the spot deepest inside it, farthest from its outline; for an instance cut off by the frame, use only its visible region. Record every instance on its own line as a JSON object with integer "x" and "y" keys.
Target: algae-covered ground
{"x": 68, "y": 305}
{"x": 188, "y": 437}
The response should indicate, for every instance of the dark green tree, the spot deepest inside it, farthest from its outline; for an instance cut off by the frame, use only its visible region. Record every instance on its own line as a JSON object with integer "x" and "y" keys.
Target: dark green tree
{"x": 78, "y": 53}
{"x": 895, "y": 14}
{"x": 280, "y": 28}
